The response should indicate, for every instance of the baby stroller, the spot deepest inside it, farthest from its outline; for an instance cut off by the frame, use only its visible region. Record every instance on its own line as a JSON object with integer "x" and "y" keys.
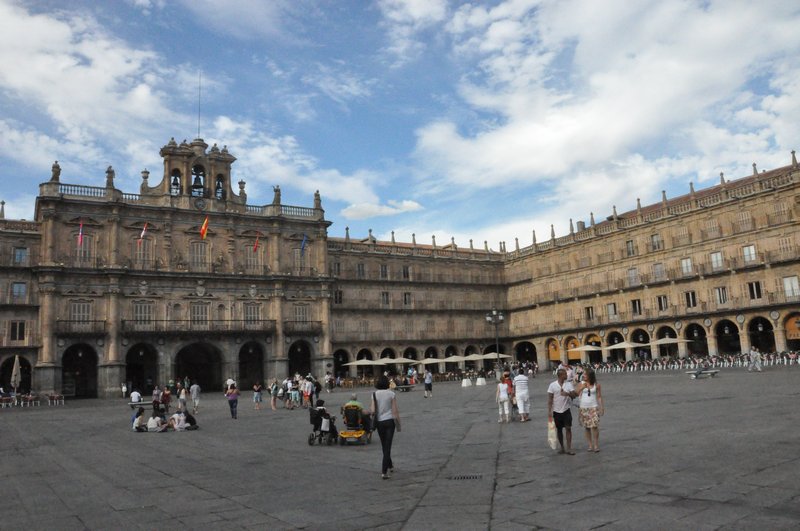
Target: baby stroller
{"x": 323, "y": 427}
{"x": 357, "y": 426}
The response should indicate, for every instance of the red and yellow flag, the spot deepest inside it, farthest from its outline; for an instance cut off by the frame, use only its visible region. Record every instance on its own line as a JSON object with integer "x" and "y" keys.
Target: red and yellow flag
{"x": 141, "y": 236}
{"x": 204, "y": 229}
{"x": 255, "y": 245}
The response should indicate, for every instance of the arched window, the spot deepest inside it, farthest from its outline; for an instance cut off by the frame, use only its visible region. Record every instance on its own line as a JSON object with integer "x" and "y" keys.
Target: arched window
{"x": 175, "y": 183}
{"x": 219, "y": 187}
{"x": 198, "y": 180}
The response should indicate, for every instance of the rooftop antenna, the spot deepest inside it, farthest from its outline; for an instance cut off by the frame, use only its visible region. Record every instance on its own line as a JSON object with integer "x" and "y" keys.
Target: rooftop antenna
{"x": 199, "y": 85}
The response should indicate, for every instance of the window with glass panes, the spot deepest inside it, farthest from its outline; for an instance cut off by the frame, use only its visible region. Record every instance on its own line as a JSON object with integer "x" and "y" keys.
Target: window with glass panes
{"x": 198, "y": 256}
{"x": 721, "y": 294}
{"x": 252, "y": 259}
{"x": 754, "y": 290}
{"x": 19, "y": 290}
{"x": 80, "y": 311}
{"x": 83, "y": 252}
{"x": 198, "y": 314}
{"x": 143, "y": 251}
{"x": 791, "y": 288}
{"x": 338, "y": 297}
{"x": 361, "y": 270}
{"x": 301, "y": 313}
{"x": 406, "y": 272}
{"x": 16, "y": 331}
{"x": 20, "y": 256}
{"x": 716, "y": 260}
{"x": 691, "y": 299}
{"x": 384, "y": 271}
{"x": 749, "y": 253}
{"x": 142, "y": 312}
{"x": 384, "y": 298}
{"x": 686, "y": 266}
{"x": 406, "y": 298}
{"x": 252, "y": 313}
{"x": 662, "y": 303}
{"x": 659, "y": 273}
{"x": 338, "y": 326}
{"x": 611, "y": 309}
{"x": 636, "y": 306}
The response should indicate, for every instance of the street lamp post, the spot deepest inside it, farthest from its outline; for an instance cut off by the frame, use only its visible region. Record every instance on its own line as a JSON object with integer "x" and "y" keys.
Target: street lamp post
{"x": 496, "y": 317}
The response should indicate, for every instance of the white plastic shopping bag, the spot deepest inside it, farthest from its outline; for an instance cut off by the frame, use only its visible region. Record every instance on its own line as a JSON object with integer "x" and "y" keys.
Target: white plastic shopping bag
{"x": 552, "y": 438}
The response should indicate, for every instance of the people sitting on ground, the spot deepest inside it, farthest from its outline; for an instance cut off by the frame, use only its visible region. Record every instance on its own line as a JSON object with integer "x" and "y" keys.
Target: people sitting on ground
{"x": 139, "y": 420}
{"x": 155, "y": 423}
{"x": 177, "y": 421}
{"x": 191, "y": 422}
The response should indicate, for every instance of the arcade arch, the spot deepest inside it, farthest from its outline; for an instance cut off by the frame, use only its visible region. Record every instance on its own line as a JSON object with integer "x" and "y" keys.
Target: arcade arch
{"x": 525, "y": 351}
{"x": 141, "y": 368}
{"x": 299, "y": 358}
{"x": 251, "y": 365}
{"x": 761, "y": 334}
{"x": 792, "y": 327}
{"x": 79, "y": 371}
{"x": 7, "y": 368}
{"x": 202, "y": 363}
{"x": 727, "y": 337}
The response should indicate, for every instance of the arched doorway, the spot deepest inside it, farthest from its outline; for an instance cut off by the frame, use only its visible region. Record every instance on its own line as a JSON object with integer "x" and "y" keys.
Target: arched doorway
{"x": 762, "y": 335}
{"x": 698, "y": 344}
{"x": 792, "y": 327}
{"x": 526, "y": 352}
{"x": 727, "y": 337}
{"x": 643, "y": 352}
{"x": 391, "y": 368}
{"x": 141, "y": 368}
{"x": 79, "y": 372}
{"x": 553, "y": 352}
{"x": 570, "y": 344}
{"x": 340, "y": 357}
{"x": 251, "y": 365}
{"x": 615, "y": 354}
{"x": 202, "y": 363}
{"x": 431, "y": 353}
{"x": 665, "y": 333}
{"x": 595, "y": 356}
{"x": 450, "y": 352}
{"x": 300, "y": 358}
{"x": 25, "y": 373}
{"x": 363, "y": 370}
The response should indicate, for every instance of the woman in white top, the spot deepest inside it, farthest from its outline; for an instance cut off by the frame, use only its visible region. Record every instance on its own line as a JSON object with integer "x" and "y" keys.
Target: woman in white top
{"x": 502, "y": 397}
{"x": 387, "y": 419}
{"x": 591, "y": 408}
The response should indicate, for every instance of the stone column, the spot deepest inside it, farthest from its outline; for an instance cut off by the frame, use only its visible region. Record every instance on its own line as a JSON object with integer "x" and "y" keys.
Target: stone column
{"x": 273, "y": 246}
{"x": 111, "y": 371}
{"x": 113, "y": 239}
{"x": 683, "y": 350}
{"x": 711, "y": 340}
{"x": 744, "y": 340}
{"x": 279, "y": 359}
{"x": 48, "y": 372}
{"x": 629, "y": 354}
{"x": 780, "y": 340}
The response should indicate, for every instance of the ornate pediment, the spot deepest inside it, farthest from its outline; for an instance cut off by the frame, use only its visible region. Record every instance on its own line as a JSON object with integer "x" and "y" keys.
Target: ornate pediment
{"x": 86, "y": 221}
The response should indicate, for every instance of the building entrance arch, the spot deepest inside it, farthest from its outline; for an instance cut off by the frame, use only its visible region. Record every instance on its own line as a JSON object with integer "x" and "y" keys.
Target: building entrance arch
{"x": 615, "y": 354}
{"x": 570, "y": 344}
{"x": 251, "y": 365}
{"x": 762, "y": 335}
{"x": 449, "y": 352}
{"x": 25, "y": 371}
{"x": 79, "y": 371}
{"x": 667, "y": 349}
{"x": 432, "y": 353}
{"x": 526, "y": 352}
{"x": 698, "y": 344}
{"x": 202, "y": 363}
{"x": 727, "y": 337}
{"x": 792, "y": 327}
{"x": 340, "y": 357}
{"x": 595, "y": 356}
{"x": 641, "y": 336}
{"x": 141, "y": 368}
{"x": 300, "y": 358}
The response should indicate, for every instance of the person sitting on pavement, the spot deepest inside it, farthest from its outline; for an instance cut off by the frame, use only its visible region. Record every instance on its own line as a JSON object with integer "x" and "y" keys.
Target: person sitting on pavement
{"x": 191, "y": 422}
{"x": 155, "y": 424}
{"x": 177, "y": 421}
{"x": 139, "y": 420}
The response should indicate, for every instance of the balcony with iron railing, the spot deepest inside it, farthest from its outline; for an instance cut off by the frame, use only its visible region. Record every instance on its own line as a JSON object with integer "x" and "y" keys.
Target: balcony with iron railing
{"x": 29, "y": 299}
{"x": 302, "y": 327}
{"x": 80, "y": 328}
{"x": 169, "y": 326}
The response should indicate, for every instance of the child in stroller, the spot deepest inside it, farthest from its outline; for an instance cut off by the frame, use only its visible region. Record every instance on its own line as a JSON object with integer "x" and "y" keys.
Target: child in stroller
{"x": 323, "y": 427}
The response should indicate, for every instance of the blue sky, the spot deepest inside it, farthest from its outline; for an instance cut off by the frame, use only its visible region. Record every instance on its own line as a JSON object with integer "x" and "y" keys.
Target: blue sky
{"x": 482, "y": 120}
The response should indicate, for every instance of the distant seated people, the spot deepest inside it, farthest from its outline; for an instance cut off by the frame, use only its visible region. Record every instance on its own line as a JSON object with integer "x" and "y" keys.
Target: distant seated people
{"x": 155, "y": 423}
{"x": 177, "y": 421}
{"x": 191, "y": 422}
{"x": 139, "y": 420}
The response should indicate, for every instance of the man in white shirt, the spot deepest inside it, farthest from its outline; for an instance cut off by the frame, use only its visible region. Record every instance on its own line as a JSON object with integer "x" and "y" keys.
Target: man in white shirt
{"x": 522, "y": 396}
{"x": 194, "y": 391}
{"x": 559, "y": 398}
{"x": 136, "y": 397}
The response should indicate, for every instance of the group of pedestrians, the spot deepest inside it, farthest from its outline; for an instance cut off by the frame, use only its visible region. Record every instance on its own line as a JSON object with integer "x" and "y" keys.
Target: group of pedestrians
{"x": 512, "y": 392}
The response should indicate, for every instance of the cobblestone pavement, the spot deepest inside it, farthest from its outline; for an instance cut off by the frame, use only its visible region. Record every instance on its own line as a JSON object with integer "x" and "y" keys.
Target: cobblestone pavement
{"x": 676, "y": 453}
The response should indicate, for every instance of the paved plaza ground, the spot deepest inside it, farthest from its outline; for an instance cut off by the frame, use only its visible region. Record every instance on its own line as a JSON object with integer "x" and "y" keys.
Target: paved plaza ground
{"x": 676, "y": 453}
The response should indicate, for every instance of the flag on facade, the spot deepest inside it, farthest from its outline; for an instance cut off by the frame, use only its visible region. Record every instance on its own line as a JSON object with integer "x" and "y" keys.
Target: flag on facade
{"x": 255, "y": 245}
{"x": 204, "y": 229}
{"x": 303, "y": 245}
{"x": 80, "y": 235}
{"x": 144, "y": 231}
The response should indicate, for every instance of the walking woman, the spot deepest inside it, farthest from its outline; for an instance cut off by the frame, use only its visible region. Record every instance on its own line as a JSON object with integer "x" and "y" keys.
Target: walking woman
{"x": 232, "y": 394}
{"x": 591, "y": 408}
{"x": 387, "y": 417}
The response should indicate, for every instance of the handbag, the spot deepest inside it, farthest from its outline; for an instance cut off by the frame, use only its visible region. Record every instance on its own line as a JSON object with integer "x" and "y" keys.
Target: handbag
{"x": 552, "y": 438}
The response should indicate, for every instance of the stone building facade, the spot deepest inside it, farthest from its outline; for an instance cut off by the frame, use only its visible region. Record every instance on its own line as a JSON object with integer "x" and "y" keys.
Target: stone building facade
{"x": 185, "y": 278}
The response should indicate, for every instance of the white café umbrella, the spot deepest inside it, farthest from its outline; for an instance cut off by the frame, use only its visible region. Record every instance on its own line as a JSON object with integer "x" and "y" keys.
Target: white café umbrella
{"x": 454, "y": 359}
{"x": 585, "y": 348}
{"x": 669, "y": 341}
{"x": 364, "y": 362}
{"x": 429, "y": 361}
{"x": 474, "y": 357}
{"x": 401, "y": 361}
{"x": 626, "y": 344}
{"x": 16, "y": 374}
{"x": 494, "y": 356}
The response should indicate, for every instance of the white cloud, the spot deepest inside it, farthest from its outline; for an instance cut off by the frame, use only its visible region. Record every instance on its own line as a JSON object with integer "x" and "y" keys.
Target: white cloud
{"x": 371, "y": 210}
{"x": 404, "y": 20}
{"x": 338, "y": 85}
{"x": 251, "y": 19}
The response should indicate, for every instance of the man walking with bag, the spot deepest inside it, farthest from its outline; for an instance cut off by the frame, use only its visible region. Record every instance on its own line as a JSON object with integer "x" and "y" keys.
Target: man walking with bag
{"x": 559, "y": 399}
